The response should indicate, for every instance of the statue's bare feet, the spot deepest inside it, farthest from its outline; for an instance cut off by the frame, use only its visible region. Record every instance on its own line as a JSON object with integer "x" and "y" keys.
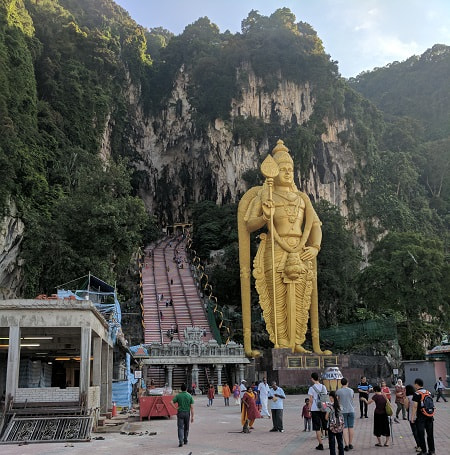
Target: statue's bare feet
{"x": 253, "y": 353}
{"x": 319, "y": 351}
{"x": 301, "y": 349}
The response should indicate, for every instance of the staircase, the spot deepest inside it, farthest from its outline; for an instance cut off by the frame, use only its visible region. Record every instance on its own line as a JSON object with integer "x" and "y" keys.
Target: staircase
{"x": 171, "y": 299}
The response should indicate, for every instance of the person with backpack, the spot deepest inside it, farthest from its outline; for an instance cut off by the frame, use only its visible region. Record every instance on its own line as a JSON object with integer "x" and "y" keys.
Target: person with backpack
{"x": 335, "y": 419}
{"x": 380, "y": 417}
{"x": 423, "y": 416}
{"x": 318, "y": 397}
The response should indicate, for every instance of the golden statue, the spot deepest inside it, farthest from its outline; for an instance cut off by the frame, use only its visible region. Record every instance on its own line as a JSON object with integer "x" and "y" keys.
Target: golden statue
{"x": 285, "y": 267}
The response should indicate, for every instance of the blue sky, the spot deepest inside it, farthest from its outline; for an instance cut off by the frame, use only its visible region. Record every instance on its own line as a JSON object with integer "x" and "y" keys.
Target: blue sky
{"x": 359, "y": 34}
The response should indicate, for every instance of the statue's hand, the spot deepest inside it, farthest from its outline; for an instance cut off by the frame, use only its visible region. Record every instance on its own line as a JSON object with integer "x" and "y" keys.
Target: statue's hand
{"x": 309, "y": 253}
{"x": 268, "y": 208}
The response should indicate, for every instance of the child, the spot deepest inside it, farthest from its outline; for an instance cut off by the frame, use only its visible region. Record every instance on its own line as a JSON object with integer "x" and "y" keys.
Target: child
{"x": 306, "y": 414}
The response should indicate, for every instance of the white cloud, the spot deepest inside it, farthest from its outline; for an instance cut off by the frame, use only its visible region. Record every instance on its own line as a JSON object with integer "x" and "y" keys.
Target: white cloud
{"x": 382, "y": 49}
{"x": 364, "y": 26}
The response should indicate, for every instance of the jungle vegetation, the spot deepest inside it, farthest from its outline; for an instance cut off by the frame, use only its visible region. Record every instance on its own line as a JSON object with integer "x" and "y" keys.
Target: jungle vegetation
{"x": 63, "y": 68}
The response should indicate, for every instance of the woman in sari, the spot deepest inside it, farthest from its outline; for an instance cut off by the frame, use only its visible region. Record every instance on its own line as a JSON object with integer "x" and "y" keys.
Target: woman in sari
{"x": 249, "y": 410}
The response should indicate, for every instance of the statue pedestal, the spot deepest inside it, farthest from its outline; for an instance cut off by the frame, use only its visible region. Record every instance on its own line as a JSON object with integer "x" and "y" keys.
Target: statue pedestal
{"x": 292, "y": 369}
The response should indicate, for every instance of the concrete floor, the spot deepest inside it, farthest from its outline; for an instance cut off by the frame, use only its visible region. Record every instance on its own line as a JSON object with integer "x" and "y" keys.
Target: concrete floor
{"x": 216, "y": 431}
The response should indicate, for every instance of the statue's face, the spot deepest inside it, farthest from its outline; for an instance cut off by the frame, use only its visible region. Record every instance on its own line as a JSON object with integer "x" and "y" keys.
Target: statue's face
{"x": 285, "y": 176}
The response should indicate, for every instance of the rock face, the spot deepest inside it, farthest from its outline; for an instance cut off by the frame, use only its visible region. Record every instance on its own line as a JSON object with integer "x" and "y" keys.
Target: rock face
{"x": 182, "y": 165}
{"x": 11, "y": 235}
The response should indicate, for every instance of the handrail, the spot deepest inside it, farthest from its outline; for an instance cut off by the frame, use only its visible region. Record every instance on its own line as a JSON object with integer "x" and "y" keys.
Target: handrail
{"x": 156, "y": 292}
{"x": 212, "y": 299}
{"x": 184, "y": 291}
{"x": 170, "y": 290}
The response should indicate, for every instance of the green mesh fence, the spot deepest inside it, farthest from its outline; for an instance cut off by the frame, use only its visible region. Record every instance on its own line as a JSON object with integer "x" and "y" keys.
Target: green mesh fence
{"x": 212, "y": 322}
{"x": 346, "y": 336}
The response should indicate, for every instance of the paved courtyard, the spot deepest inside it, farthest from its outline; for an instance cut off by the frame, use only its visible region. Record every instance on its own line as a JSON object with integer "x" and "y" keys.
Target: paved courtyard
{"x": 216, "y": 431}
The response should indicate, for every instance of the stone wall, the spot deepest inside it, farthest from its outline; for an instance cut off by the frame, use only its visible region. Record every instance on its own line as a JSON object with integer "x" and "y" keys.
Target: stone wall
{"x": 47, "y": 395}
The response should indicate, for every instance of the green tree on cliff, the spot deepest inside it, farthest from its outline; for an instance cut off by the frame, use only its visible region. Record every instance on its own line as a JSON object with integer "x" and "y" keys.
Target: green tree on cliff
{"x": 405, "y": 280}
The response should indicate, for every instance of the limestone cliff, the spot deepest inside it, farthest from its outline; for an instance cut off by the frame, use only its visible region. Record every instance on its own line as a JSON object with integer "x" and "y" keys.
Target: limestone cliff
{"x": 183, "y": 165}
{"x": 11, "y": 236}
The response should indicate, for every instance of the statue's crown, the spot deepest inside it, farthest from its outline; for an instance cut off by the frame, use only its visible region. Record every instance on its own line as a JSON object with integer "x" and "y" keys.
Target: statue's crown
{"x": 281, "y": 154}
{"x": 280, "y": 147}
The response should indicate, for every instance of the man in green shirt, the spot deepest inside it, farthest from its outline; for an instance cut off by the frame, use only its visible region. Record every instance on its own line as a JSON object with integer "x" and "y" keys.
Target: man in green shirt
{"x": 185, "y": 409}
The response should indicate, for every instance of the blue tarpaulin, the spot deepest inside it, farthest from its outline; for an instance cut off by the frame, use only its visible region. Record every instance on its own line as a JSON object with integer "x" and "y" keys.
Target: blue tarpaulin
{"x": 121, "y": 390}
{"x": 121, "y": 393}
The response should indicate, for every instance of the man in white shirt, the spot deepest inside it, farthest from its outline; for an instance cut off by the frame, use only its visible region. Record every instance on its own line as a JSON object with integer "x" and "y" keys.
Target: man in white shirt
{"x": 440, "y": 387}
{"x": 318, "y": 417}
{"x": 263, "y": 390}
{"x": 242, "y": 390}
{"x": 277, "y": 395}
{"x": 243, "y": 387}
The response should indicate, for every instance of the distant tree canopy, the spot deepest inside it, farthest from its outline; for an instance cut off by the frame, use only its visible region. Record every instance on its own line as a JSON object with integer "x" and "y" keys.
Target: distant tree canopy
{"x": 414, "y": 96}
{"x": 418, "y": 88}
{"x": 276, "y": 47}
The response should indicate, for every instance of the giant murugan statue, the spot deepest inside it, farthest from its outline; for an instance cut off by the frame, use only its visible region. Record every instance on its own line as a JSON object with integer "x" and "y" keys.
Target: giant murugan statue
{"x": 285, "y": 268}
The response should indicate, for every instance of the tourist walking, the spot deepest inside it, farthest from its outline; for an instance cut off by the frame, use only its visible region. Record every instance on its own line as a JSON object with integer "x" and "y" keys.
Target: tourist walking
{"x": 410, "y": 391}
{"x": 226, "y": 394}
{"x": 184, "y": 404}
{"x": 318, "y": 415}
{"x": 335, "y": 425}
{"x": 276, "y": 397}
{"x": 263, "y": 390}
{"x": 422, "y": 416}
{"x": 249, "y": 411}
{"x": 242, "y": 390}
{"x": 211, "y": 394}
{"x": 345, "y": 395}
{"x": 386, "y": 390}
{"x": 236, "y": 395}
{"x": 400, "y": 395}
{"x": 380, "y": 417}
{"x": 306, "y": 414}
{"x": 364, "y": 388}
{"x": 439, "y": 387}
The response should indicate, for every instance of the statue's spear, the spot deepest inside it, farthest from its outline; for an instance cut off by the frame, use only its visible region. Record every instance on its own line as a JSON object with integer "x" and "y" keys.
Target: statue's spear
{"x": 269, "y": 169}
